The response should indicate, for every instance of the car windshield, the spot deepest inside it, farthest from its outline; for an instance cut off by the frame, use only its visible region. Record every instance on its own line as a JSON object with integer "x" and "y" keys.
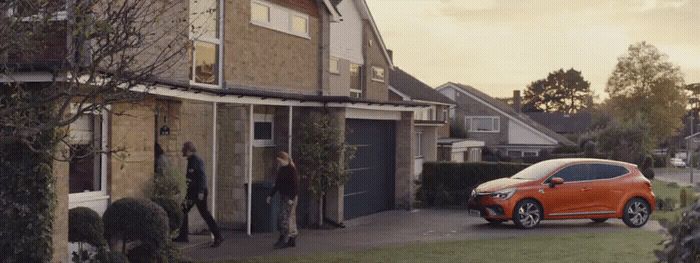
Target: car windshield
{"x": 538, "y": 170}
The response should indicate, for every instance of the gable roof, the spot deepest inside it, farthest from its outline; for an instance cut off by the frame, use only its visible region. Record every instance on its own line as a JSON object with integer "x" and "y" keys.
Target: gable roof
{"x": 415, "y": 89}
{"x": 562, "y": 122}
{"x": 367, "y": 14}
{"x": 508, "y": 111}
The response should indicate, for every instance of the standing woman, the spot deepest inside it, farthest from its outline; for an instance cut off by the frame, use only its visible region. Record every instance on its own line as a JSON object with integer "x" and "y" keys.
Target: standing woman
{"x": 287, "y": 184}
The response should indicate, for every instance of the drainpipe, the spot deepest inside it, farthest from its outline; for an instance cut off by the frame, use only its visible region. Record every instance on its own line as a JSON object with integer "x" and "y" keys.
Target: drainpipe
{"x": 213, "y": 161}
{"x": 324, "y": 49}
{"x": 250, "y": 167}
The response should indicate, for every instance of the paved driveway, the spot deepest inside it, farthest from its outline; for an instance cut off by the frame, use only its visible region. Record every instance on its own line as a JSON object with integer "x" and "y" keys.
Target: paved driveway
{"x": 392, "y": 228}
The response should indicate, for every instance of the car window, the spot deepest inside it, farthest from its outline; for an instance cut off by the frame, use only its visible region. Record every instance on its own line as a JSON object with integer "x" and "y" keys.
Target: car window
{"x": 607, "y": 171}
{"x": 575, "y": 173}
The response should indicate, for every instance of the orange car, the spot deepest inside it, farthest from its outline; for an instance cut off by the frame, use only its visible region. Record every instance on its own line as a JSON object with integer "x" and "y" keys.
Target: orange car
{"x": 567, "y": 189}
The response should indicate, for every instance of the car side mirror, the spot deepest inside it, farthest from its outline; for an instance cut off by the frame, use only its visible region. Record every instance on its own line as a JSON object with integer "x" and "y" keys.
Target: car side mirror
{"x": 555, "y": 181}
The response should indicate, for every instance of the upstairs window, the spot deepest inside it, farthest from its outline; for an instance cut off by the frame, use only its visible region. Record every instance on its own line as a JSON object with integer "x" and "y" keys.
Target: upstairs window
{"x": 483, "y": 124}
{"x": 206, "y": 39}
{"x": 355, "y": 80}
{"x": 378, "y": 74}
{"x": 278, "y": 18}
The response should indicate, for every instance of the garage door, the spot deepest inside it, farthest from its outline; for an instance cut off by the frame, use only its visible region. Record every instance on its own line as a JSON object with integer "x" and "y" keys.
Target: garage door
{"x": 371, "y": 185}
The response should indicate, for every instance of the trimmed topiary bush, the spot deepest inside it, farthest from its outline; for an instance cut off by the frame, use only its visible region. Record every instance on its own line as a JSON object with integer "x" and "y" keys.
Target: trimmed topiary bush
{"x": 140, "y": 221}
{"x": 449, "y": 184}
{"x": 85, "y": 226}
{"x": 173, "y": 210}
{"x": 112, "y": 257}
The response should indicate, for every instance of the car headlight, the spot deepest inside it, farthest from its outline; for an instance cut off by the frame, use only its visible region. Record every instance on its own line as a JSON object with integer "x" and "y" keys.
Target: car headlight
{"x": 504, "y": 194}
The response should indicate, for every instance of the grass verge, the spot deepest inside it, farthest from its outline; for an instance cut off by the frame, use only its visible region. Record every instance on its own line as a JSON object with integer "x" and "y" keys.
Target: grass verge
{"x": 625, "y": 246}
{"x": 670, "y": 191}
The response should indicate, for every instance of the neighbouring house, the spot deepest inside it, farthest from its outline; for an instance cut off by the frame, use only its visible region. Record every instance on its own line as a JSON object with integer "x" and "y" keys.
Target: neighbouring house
{"x": 505, "y": 131}
{"x": 569, "y": 125}
{"x": 432, "y": 130}
{"x": 257, "y": 68}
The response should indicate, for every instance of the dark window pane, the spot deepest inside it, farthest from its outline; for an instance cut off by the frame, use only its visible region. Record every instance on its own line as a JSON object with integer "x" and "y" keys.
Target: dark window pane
{"x": 355, "y": 77}
{"x": 606, "y": 171}
{"x": 263, "y": 131}
{"x": 574, "y": 173}
{"x": 84, "y": 170}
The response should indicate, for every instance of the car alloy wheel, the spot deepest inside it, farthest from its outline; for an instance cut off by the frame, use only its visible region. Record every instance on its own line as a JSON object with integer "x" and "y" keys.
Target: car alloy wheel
{"x": 528, "y": 214}
{"x": 636, "y": 213}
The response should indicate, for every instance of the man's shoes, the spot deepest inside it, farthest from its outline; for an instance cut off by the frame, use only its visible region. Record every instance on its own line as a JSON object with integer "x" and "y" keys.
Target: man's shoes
{"x": 280, "y": 242}
{"x": 217, "y": 242}
{"x": 292, "y": 242}
{"x": 181, "y": 240}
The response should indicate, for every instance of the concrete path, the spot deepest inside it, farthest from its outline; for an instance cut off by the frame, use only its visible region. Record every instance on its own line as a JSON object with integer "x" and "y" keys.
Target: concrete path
{"x": 387, "y": 229}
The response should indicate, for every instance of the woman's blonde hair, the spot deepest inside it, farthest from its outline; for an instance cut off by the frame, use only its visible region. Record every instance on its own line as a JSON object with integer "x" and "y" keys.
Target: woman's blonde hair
{"x": 285, "y": 157}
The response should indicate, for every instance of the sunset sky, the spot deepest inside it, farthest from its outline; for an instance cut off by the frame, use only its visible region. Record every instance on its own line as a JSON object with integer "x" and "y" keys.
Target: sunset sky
{"x": 499, "y": 46}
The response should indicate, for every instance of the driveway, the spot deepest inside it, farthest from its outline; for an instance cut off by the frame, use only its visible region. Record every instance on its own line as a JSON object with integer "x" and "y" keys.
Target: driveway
{"x": 387, "y": 229}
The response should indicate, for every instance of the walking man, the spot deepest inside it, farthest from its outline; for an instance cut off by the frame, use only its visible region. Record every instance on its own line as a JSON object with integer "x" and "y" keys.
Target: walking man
{"x": 197, "y": 195}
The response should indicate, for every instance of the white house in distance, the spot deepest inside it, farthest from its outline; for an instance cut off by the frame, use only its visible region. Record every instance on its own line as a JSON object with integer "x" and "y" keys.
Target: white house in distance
{"x": 502, "y": 127}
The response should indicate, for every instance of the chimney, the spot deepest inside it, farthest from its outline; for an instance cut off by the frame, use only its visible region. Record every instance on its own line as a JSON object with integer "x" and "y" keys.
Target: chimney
{"x": 517, "y": 101}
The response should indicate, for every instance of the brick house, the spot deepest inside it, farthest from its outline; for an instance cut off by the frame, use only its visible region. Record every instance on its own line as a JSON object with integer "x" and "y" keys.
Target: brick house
{"x": 256, "y": 69}
{"x": 432, "y": 132}
{"x": 504, "y": 130}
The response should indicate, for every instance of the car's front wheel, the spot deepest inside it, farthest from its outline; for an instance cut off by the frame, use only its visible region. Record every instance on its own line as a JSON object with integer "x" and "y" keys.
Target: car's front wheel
{"x": 527, "y": 214}
{"x": 636, "y": 213}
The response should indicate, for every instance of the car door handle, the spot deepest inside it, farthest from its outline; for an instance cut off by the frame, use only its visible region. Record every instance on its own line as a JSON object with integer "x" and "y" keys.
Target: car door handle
{"x": 585, "y": 189}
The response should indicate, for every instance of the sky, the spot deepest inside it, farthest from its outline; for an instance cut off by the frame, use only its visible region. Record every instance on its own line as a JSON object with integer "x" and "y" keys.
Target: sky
{"x": 498, "y": 46}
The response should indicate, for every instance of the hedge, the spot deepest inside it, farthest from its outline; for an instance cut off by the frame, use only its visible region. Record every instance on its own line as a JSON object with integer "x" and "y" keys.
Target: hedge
{"x": 450, "y": 184}
{"x": 132, "y": 219}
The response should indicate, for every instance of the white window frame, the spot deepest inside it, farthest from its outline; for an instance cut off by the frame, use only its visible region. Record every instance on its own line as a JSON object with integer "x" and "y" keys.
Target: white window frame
{"x": 469, "y": 122}
{"x": 336, "y": 69}
{"x": 281, "y": 26}
{"x": 376, "y": 69}
{"x": 219, "y": 47}
{"x": 102, "y": 194}
{"x": 419, "y": 145}
{"x": 264, "y": 118}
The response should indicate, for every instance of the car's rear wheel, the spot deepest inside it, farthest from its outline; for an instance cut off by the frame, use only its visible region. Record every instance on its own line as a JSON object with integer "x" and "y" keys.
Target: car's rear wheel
{"x": 495, "y": 221}
{"x": 527, "y": 214}
{"x": 599, "y": 220}
{"x": 636, "y": 213}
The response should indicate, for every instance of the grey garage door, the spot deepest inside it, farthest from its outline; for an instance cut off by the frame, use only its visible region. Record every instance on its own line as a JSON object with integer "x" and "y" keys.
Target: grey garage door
{"x": 371, "y": 185}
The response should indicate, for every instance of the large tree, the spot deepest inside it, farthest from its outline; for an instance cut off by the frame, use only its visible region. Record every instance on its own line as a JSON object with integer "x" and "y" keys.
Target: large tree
{"x": 90, "y": 53}
{"x": 645, "y": 83}
{"x": 562, "y": 91}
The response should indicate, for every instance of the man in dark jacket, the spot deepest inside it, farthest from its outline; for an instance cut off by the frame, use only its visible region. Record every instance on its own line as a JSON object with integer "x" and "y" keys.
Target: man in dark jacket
{"x": 197, "y": 195}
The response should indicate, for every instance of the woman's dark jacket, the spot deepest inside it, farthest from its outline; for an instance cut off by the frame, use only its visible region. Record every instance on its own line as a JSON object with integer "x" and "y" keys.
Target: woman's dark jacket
{"x": 196, "y": 178}
{"x": 287, "y": 182}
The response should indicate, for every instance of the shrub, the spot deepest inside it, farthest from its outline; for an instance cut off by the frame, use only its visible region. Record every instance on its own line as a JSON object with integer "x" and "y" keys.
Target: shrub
{"x": 173, "y": 210}
{"x": 170, "y": 185}
{"x": 451, "y": 183}
{"x": 683, "y": 242}
{"x": 111, "y": 257}
{"x": 85, "y": 226}
{"x": 137, "y": 220}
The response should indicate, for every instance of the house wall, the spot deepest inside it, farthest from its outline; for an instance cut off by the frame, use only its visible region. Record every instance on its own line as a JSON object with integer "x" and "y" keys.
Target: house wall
{"x": 263, "y": 58}
{"x": 519, "y": 134}
{"x": 467, "y": 106}
{"x": 405, "y": 157}
{"x": 232, "y": 164}
{"x": 347, "y": 35}
{"x": 60, "y": 223}
{"x": 374, "y": 56}
{"x": 339, "y": 83}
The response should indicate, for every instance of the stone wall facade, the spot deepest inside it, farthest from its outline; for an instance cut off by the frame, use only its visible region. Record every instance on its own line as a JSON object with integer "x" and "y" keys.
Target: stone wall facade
{"x": 405, "y": 157}
{"x": 232, "y": 165}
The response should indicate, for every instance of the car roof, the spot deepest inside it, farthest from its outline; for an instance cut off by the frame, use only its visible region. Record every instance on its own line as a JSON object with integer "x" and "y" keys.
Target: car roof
{"x": 565, "y": 161}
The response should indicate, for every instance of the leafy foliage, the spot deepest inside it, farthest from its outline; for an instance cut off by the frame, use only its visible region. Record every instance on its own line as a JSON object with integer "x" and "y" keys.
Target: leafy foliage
{"x": 169, "y": 185}
{"x": 628, "y": 141}
{"x": 451, "y": 183}
{"x": 683, "y": 239}
{"x": 173, "y": 210}
{"x": 322, "y": 154}
{"x": 646, "y": 83}
{"x": 139, "y": 221}
{"x": 562, "y": 91}
{"x": 85, "y": 225}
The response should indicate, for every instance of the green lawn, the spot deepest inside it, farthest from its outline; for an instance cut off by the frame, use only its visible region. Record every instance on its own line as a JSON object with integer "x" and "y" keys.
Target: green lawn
{"x": 664, "y": 191}
{"x": 632, "y": 245}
